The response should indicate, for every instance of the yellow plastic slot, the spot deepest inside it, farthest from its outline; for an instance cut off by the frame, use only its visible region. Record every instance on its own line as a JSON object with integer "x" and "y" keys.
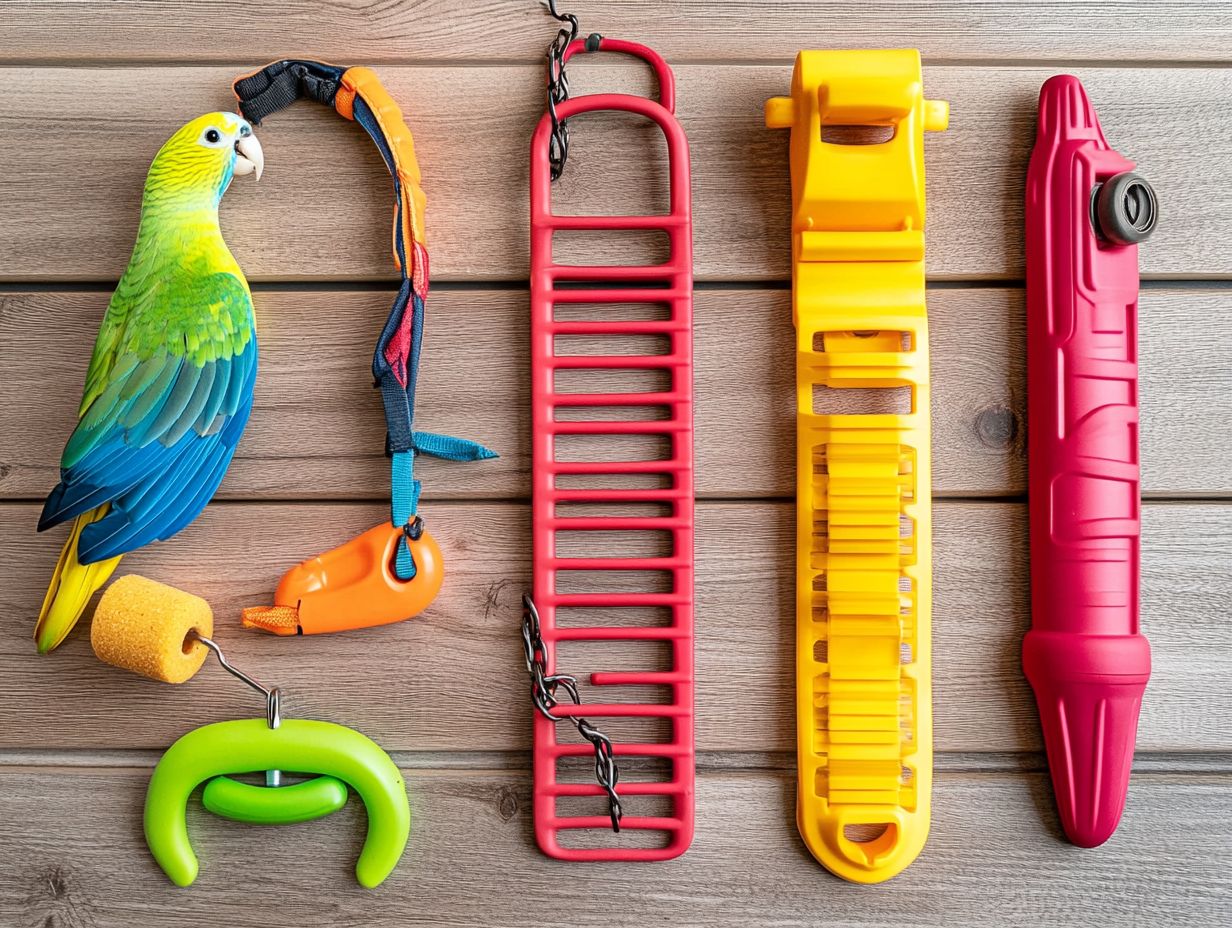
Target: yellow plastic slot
{"x": 864, "y": 528}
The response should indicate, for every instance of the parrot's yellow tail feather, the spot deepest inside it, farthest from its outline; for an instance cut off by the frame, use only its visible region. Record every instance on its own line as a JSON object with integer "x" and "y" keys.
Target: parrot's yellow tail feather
{"x": 71, "y": 587}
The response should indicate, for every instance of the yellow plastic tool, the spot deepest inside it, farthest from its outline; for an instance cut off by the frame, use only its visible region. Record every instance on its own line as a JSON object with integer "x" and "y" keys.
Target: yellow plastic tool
{"x": 863, "y": 542}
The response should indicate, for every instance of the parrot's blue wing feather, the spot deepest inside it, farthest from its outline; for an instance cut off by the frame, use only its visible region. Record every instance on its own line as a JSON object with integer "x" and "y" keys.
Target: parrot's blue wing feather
{"x": 171, "y": 496}
{"x": 162, "y": 514}
{"x": 211, "y": 474}
{"x": 114, "y": 407}
{"x": 144, "y": 504}
{"x": 151, "y": 496}
{"x": 111, "y": 471}
{"x": 156, "y": 440}
{"x": 217, "y": 395}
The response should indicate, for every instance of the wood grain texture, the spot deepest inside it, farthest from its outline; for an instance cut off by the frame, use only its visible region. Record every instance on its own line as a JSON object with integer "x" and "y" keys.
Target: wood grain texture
{"x": 994, "y": 857}
{"x": 357, "y": 32}
{"x": 99, "y": 86}
{"x": 317, "y": 431}
{"x": 454, "y": 680}
{"x": 321, "y": 211}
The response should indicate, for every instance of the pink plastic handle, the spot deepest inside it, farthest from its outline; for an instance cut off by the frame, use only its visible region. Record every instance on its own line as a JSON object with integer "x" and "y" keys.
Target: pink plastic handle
{"x": 669, "y": 284}
{"x": 667, "y": 80}
{"x": 1084, "y": 655}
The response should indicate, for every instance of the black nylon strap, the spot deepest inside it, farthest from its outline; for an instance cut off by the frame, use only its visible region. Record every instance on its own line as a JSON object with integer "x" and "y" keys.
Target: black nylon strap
{"x": 398, "y": 436}
{"x": 282, "y": 83}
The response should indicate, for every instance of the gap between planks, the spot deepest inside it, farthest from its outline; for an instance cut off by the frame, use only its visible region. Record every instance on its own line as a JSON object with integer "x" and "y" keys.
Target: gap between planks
{"x": 49, "y": 285}
{"x": 1147, "y": 763}
{"x": 786, "y": 61}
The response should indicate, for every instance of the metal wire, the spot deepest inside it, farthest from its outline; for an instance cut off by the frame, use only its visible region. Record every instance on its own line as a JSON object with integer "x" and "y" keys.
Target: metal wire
{"x": 273, "y": 696}
{"x": 543, "y": 693}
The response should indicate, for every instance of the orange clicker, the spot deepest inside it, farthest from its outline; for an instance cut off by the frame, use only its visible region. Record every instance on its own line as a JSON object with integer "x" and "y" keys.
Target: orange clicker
{"x": 353, "y": 586}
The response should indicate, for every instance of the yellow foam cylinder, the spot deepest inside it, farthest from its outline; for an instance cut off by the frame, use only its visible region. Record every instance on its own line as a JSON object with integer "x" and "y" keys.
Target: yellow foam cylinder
{"x": 143, "y": 626}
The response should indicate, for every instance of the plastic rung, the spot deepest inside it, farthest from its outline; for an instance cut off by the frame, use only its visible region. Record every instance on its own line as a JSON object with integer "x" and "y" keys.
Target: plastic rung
{"x": 589, "y": 272}
{"x": 621, "y": 427}
{"x": 623, "y": 749}
{"x": 617, "y": 563}
{"x": 628, "y": 789}
{"x": 615, "y": 361}
{"x": 616, "y": 633}
{"x": 603, "y": 822}
{"x": 617, "y": 523}
{"x": 617, "y": 327}
{"x": 616, "y": 294}
{"x": 865, "y": 759}
{"x": 618, "y": 495}
{"x": 604, "y": 223}
{"x": 675, "y": 846}
{"x": 614, "y": 467}
{"x": 632, "y": 710}
{"x": 618, "y": 399}
{"x": 609, "y": 599}
{"x": 638, "y": 678}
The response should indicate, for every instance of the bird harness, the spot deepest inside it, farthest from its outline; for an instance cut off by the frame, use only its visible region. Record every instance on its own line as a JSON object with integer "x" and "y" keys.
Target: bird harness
{"x": 394, "y": 570}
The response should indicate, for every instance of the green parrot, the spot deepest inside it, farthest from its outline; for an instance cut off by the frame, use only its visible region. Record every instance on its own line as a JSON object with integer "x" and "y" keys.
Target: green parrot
{"x": 169, "y": 387}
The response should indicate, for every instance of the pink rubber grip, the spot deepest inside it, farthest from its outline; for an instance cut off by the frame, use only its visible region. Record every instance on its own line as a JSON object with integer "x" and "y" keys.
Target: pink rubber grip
{"x": 1084, "y": 654}
{"x": 669, "y": 284}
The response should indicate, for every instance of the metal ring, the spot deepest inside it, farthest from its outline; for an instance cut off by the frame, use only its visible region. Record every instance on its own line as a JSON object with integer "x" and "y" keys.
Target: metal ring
{"x": 414, "y": 529}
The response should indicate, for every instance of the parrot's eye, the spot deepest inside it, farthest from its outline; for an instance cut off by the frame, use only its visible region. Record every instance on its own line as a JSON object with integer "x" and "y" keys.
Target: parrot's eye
{"x": 212, "y": 136}
{"x": 245, "y": 132}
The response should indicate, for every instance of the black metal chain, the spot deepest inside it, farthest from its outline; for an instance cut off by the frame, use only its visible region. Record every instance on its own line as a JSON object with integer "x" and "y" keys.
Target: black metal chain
{"x": 558, "y": 88}
{"x": 543, "y": 693}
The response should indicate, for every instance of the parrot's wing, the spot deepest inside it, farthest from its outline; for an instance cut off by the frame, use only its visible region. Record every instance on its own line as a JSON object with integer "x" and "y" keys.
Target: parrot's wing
{"x": 167, "y": 396}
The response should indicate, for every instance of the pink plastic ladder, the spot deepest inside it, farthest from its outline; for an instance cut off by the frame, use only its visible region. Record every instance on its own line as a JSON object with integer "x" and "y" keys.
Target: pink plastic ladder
{"x": 669, "y": 284}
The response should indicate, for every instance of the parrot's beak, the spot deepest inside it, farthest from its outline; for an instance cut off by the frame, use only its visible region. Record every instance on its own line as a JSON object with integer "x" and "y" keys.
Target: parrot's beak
{"x": 249, "y": 159}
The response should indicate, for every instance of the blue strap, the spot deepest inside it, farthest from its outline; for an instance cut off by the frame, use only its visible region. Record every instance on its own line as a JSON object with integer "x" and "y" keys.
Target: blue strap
{"x": 404, "y": 500}
{"x": 449, "y": 448}
{"x": 403, "y": 504}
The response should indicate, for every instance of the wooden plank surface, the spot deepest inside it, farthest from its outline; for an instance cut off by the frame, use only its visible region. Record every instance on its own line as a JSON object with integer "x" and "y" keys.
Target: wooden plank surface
{"x": 993, "y": 858}
{"x": 317, "y": 431}
{"x": 454, "y": 679}
{"x": 102, "y": 84}
{"x": 321, "y": 211}
{"x": 733, "y": 30}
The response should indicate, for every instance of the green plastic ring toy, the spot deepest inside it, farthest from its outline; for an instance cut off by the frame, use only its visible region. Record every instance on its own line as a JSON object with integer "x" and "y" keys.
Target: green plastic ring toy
{"x": 344, "y": 756}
